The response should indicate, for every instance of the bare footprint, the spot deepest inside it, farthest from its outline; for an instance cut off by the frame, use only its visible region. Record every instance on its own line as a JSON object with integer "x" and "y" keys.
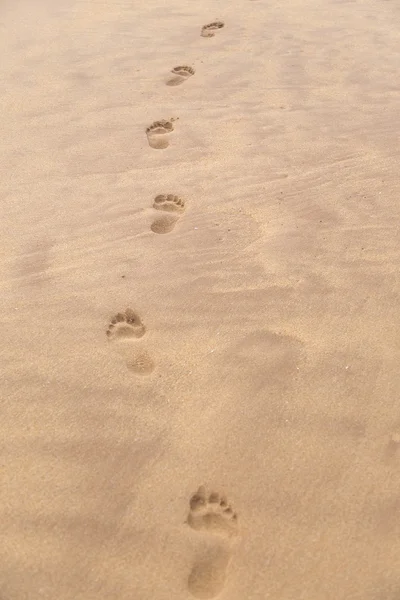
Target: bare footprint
{"x": 167, "y": 203}
{"x": 180, "y": 75}
{"x": 124, "y": 329}
{"x": 126, "y": 325}
{"x": 163, "y": 224}
{"x": 157, "y": 134}
{"x": 209, "y": 29}
{"x": 140, "y": 363}
{"x": 211, "y": 514}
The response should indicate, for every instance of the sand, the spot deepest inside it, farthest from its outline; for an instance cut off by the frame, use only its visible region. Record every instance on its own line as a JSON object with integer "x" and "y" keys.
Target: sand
{"x": 200, "y": 300}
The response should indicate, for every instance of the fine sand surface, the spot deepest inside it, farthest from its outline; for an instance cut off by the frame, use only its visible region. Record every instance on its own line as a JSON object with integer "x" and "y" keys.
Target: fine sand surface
{"x": 200, "y": 300}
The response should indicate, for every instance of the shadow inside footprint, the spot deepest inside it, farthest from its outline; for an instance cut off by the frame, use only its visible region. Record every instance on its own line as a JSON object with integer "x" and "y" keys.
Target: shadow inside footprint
{"x": 180, "y": 75}
{"x": 210, "y": 29}
{"x": 211, "y": 514}
{"x": 156, "y": 134}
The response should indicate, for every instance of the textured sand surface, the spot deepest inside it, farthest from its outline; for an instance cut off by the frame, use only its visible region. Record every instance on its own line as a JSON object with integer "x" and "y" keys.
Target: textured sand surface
{"x": 199, "y": 265}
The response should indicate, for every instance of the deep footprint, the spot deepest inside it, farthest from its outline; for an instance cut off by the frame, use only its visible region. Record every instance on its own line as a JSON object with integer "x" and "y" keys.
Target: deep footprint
{"x": 181, "y": 74}
{"x": 211, "y": 514}
{"x": 157, "y": 134}
{"x": 210, "y": 29}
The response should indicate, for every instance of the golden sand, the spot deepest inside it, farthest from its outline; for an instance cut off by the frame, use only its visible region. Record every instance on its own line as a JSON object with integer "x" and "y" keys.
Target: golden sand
{"x": 251, "y": 348}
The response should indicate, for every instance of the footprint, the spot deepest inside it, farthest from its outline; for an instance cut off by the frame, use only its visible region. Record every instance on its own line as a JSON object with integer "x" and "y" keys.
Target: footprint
{"x": 208, "y": 30}
{"x": 167, "y": 203}
{"x": 157, "y": 134}
{"x": 211, "y": 514}
{"x": 180, "y": 75}
{"x": 123, "y": 330}
{"x": 164, "y": 224}
{"x": 140, "y": 363}
{"x": 126, "y": 325}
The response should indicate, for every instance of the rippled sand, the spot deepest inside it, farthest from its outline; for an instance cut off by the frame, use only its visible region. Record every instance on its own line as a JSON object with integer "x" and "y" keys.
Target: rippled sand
{"x": 199, "y": 262}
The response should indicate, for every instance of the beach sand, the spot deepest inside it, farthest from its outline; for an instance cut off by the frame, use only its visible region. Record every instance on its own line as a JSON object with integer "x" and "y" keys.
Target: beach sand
{"x": 200, "y": 287}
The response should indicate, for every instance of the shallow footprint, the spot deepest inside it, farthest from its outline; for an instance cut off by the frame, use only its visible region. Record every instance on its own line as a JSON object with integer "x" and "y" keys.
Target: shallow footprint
{"x": 211, "y": 514}
{"x": 207, "y": 577}
{"x": 180, "y": 75}
{"x": 140, "y": 363}
{"x": 163, "y": 224}
{"x": 157, "y": 134}
{"x": 123, "y": 331}
{"x": 168, "y": 203}
{"x": 209, "y": 30}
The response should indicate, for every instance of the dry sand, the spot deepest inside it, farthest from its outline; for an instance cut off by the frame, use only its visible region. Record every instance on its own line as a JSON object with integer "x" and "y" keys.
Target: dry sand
{"x": 260, "y": 352}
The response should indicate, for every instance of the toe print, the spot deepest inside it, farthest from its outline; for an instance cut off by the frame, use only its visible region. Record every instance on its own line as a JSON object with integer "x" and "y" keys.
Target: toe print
{"x": 167, "y": 203}
{"x": 212, "y": 514}
{"x": 157, "y": 134}
{"x": 180, "y": 75}
{"x": 210, "y": 29}
{"x": 126, "y": 325}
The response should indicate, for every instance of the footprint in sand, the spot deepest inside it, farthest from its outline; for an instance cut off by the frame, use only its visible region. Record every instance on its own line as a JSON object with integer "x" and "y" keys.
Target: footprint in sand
{"x": 123, "y": 330}
{"x": 157, "y": 133}
{"x": 209, "y": 29}
{"x": 180, "y": 75}
{"x": 212, "y": 515}
{"x": 168, "y": 203}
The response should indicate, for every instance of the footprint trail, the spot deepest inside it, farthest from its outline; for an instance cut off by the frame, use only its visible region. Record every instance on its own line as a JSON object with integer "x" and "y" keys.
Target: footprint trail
{"x": 212, "y": 515}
